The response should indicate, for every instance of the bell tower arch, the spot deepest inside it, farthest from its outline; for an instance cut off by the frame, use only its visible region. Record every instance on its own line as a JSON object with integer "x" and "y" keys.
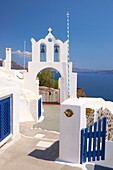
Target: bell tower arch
{"x": 56, "y": 56}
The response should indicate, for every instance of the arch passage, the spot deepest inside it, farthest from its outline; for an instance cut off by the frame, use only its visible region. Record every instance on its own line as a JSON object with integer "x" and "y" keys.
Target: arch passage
{"x": 49, "y": 85}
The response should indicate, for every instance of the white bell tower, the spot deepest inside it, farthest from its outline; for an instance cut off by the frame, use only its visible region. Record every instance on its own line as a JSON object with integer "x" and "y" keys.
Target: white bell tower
{"x": 48, "y": 46}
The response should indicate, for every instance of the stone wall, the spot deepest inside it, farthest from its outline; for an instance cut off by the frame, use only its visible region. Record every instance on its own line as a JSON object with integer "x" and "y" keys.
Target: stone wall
{"x": 80, "y": 92}
{"x": 109, "y": 118}
{"x": 53, "y": 95}
{"x": 49, "y": 94}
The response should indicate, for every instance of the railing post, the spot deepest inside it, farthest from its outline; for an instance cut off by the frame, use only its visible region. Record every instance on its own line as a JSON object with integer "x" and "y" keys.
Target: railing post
{"x": 90, "y": 143}
{"x": 82, "y": 146}
{"x": 94, "y": 141}
{"x": 103, "y": 138}
{"x": 99, "y": 135}
{"x": 85, "y": 144}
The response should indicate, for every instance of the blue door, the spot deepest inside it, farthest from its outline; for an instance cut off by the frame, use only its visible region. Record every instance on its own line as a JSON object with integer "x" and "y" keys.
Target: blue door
{"x": 39, "y": 108}
{"x": 4, "y": 118}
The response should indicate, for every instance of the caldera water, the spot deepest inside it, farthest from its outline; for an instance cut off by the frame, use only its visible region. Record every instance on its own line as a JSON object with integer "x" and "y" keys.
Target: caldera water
{"x": 94, "y": 84}
{"x": 97, "y": 84}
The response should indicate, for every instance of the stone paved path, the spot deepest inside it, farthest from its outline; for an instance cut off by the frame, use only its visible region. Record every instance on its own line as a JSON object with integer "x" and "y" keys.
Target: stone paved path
{"x": 51, "y": 121}
{"x": 36, "y": 149}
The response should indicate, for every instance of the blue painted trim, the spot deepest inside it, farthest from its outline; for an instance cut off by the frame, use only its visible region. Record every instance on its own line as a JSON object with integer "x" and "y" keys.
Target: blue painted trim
{"x": 4, "y": 118}
{"x": 99, "y": 135}
{"x": 90, "y": 143}
{"x": 103, "y": 138}
{"x": 82, "y": 146}
{"x": 85, "y": 144}
{"x": 95, "y": 136}
{"x": 94, "y": 141}
{"x": 39, "y": 108}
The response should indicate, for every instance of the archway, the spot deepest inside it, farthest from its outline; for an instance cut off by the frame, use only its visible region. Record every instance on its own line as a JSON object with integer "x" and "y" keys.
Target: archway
{"x": 55, "y": 53}
{"x": 49, "y": 85}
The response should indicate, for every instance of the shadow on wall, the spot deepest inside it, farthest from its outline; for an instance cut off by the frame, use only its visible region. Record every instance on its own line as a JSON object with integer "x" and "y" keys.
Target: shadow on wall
{"x": 50, "y": 154}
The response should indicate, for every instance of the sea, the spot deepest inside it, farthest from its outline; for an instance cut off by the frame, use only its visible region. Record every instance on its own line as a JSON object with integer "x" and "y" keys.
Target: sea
{"x": 95, "y": 84}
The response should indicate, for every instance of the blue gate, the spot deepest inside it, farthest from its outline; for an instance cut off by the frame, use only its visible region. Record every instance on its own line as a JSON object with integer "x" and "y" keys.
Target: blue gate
{"x": 4, "y": 118}
{"x": 39, "y": 108}
{"x": 93, "y": 142}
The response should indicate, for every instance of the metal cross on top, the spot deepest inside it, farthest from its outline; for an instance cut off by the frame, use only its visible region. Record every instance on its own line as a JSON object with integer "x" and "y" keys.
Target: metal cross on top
{"x": 50, "y": 30}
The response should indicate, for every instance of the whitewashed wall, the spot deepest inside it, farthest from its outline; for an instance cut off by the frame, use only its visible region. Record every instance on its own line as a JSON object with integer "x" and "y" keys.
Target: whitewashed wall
{"x": 70, "y": 127}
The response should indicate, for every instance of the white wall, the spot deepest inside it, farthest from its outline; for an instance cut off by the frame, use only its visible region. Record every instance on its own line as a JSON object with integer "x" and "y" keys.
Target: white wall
{"x": 63, "y": 95}
{"x": 30, "y": 83}
{"x": 8, "y": 84}
{"x": 69, "y": 150}
{"x": 73, "y": 85}
{"x": 33, "y": 104}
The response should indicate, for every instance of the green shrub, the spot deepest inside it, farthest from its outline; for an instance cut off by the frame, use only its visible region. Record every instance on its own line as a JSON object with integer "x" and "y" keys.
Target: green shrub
{"x": 46, "y": 79}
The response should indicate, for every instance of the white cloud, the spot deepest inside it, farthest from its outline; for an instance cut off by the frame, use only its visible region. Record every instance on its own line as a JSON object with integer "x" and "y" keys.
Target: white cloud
{"x": 23, "y": 53}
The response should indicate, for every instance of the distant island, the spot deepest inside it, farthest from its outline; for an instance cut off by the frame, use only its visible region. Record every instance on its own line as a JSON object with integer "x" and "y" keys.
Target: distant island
{"x": 14, "y": 65}
{"x": 78, "y": 70}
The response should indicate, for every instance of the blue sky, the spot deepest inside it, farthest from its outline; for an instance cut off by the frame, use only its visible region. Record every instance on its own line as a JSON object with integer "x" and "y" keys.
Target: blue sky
{"x": 91, "y": 28}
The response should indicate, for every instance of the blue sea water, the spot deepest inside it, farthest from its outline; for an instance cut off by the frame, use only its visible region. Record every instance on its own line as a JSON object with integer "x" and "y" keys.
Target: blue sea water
{"x": 56, "y": 75}
{"x": 94, "y": 84}
{"x": 97, "y": 84}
